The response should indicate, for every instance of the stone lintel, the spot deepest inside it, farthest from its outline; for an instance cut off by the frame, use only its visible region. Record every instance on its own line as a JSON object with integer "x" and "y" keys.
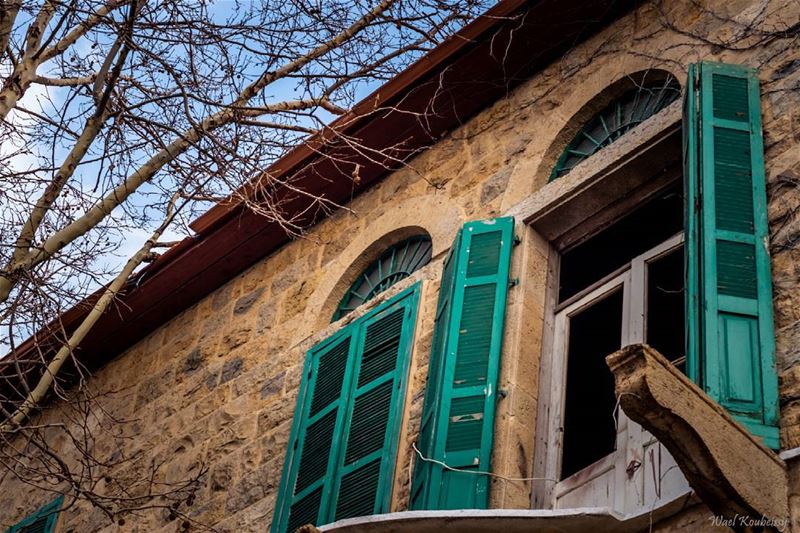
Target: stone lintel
{"x": 731, "y": 471}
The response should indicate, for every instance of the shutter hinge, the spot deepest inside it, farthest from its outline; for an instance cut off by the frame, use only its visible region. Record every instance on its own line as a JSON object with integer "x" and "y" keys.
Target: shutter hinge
{"x": 513, "y": 282}
{"x": 517, "y": 240}
{"x": 502, "y": 393}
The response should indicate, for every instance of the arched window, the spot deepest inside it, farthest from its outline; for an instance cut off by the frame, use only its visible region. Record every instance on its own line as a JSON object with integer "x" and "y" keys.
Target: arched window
{"x": 630, "y": 109}
{"x": 396, "y": 263}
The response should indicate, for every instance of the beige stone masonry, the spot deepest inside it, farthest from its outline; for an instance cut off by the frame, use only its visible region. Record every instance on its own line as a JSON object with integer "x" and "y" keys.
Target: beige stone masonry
{"x": 217, "y": 386}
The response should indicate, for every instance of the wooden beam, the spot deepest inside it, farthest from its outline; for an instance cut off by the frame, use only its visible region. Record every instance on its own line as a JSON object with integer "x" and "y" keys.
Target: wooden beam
{"x": 734, "y": 474}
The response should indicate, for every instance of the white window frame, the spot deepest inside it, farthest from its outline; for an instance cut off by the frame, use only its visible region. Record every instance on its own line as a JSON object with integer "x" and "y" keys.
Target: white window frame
{"x": 645, "y": 472}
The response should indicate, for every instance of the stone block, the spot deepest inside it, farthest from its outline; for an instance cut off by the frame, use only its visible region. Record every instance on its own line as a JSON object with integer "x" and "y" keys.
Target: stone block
{"x": 236, "y": 337}
{"x": 222, "y": 297}
{"x": 232, "y": 438}
{"x": 231, "y": 369}
{"x": 192, "y": 362}
{"x": 273, "y": 444}
{"x": 789, "y": 385}
{"x": 221, "y": 476}
{"x": 210, "y": 402}
{"x": 265, "y": 319}
{"x": 153, "y": 387}
{"x": 276, "y": 413}
{"x": 212, "y": 379}
{"x": 495, "y": 185}
{"x": 244, "y": 303}
{"x": 296, "y": 298}
{"x": 273, "y": 386}
{"x": 249, "y": 489}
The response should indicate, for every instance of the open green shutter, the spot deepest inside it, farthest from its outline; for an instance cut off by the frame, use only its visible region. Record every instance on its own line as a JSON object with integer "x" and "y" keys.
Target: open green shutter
{"x": 730, "y": 336}
{"x": 343, "y": 444}
{"x": 691, "y": 216}
{"x": 420, "y": 486}
{"x": 464, "y": 369}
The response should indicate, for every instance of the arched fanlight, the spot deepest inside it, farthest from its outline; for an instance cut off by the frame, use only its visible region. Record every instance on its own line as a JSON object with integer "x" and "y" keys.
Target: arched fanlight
{"x": 626, "y": 112}
{"x": 396, "y": 263}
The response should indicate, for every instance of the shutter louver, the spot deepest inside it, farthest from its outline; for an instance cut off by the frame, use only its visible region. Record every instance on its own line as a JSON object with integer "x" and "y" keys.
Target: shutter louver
{"x": 466, "y": 422}
{"x": 347, "y": 420}
{"x": 305, "y": 510}
{"x": 465, "y": 362}
{"x": 314, "y": 459}
{"x": 475, "y": 336}
{"x": 330, "y": 376}
{"x": 358, "y": 491}
{"x": 380, "y": 348}
{"x": 38, "y": 526}
{"x": 730, "y": 338}
{"x": 368, "y": 425}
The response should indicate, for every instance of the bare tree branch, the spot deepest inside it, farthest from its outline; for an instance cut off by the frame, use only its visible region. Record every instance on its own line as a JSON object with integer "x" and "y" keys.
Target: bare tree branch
{"x": 110, "y": 112}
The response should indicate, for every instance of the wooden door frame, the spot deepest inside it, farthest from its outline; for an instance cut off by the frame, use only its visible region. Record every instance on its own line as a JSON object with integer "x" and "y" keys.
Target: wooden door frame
{"x": 632, "y": 278}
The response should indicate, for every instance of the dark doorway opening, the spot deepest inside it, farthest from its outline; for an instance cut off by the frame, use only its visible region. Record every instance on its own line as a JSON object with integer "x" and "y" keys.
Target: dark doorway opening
{"x": 649, "y": 225}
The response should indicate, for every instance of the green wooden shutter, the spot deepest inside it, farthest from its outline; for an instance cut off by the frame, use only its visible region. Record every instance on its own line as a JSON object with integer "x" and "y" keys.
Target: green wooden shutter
{"x": 464, "y": 370}
{"x": 366, "y": 463}
{"x": 730, "y": 335}
{"x": 308, "y": 469}
{"x": 691, "y": 212}
{"x": 343, "y": 444}
{"x": 420, "y": 486}
{"x": 42, "y": 521}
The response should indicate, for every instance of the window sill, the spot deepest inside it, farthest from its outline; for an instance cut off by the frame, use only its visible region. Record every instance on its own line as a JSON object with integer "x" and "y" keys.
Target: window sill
{"x": 597, "y": 520}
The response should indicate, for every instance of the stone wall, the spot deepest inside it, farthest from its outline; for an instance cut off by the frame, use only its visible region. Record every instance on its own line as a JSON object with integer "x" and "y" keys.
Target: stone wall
{"x": 216, "y": 386}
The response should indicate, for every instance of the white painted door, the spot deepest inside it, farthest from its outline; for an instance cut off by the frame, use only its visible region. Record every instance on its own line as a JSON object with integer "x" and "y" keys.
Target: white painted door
{"x": 594, "y": 485}
{"x": 640, "y": 474}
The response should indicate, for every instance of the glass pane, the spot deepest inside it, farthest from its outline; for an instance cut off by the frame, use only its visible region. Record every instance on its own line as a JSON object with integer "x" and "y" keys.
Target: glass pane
{"x": 665, "y": 307}
{"x": 589, "y": 428}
